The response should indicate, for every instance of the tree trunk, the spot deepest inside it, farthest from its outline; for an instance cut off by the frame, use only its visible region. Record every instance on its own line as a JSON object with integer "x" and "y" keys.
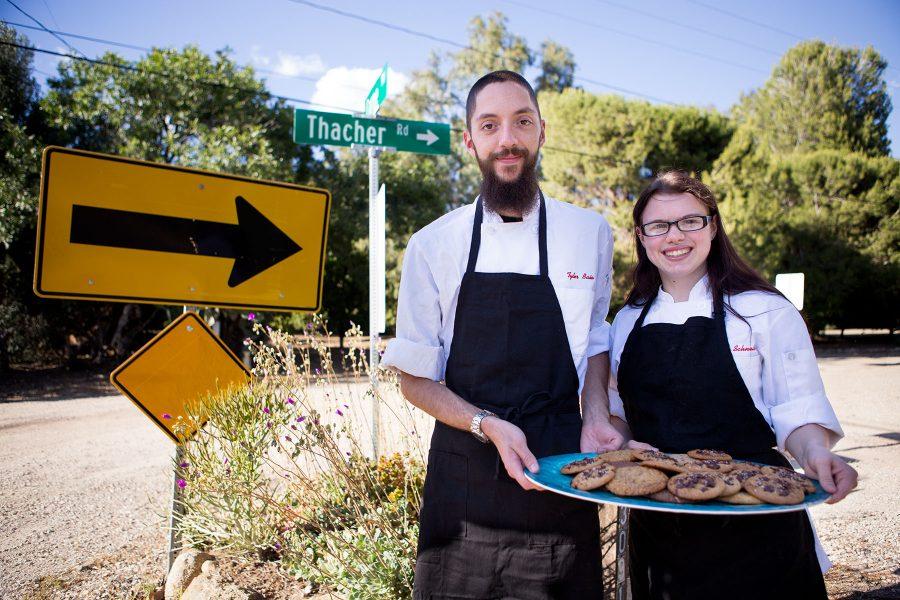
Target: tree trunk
{"x": 119, "y": 341}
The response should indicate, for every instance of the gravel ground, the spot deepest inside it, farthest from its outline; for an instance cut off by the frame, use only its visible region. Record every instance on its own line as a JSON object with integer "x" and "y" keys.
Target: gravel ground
{"x": 85, "y": 484}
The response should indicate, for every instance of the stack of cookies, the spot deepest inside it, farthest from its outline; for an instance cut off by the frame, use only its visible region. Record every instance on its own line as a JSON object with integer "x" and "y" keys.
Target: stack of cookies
{"x": 698, "y": 476}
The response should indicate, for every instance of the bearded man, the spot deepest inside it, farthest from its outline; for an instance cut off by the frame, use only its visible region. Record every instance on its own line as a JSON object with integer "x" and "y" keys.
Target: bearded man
{"x": 501, "y": 330}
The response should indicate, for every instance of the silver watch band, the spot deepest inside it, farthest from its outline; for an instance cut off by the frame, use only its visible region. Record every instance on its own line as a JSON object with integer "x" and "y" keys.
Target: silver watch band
{"x": 475, "y": 425}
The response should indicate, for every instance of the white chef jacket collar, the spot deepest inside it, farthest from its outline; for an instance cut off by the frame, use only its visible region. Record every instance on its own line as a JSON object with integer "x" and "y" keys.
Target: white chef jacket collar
{"x": 700, "y": 291}
{"x": 529, "y": 216}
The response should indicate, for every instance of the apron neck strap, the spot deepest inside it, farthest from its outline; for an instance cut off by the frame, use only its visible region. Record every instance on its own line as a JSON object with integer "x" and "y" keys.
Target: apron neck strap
{"x": 640, "y": 322}
{"x": 475, "y": 244}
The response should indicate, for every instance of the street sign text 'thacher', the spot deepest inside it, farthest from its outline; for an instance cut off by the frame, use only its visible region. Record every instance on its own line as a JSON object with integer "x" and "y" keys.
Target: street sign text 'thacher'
{"x": 337, "y": 129}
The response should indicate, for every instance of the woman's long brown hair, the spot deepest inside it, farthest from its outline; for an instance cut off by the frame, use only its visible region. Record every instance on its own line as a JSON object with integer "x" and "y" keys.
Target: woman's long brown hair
{"x": 727, "y": 272}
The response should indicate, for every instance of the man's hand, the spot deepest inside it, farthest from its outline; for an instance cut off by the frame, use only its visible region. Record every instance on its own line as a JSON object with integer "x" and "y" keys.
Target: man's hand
{"x": 835, "y": 475}
{"x": 513, "y": 449}
{"x": 598, "y": 435}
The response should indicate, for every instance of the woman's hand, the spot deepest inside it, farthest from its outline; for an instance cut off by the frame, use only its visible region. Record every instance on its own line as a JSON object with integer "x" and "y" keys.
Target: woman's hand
{"x": 835, "y": 475}
{"x": 810, "y": 444}
{"x": 513, "y": 448}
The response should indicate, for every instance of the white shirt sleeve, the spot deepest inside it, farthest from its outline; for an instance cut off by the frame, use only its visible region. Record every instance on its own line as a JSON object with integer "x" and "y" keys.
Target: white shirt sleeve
{"x": 417, "y": 349}
{"x": 791, "y": 384}
{"x": 599, "y": 336}
{"x": 616, "y": 407}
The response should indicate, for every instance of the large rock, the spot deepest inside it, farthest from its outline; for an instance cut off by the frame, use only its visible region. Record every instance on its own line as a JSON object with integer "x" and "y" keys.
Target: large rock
{"x": 209, "y": 585}
{"x": 184, "y": 569}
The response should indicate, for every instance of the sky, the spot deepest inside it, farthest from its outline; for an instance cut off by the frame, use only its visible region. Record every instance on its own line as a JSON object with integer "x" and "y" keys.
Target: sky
{"x": 699, "y": 52}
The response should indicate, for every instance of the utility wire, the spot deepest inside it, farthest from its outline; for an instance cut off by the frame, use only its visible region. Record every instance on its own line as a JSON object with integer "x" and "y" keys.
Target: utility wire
{"x": 689, "y": 27}
{"x": 455, "y": 44}
{"x": 67, "y": 44}
{"x": 220, "y": 85}
{"x": 746, "y": 19}
{"x": 146, "y": 49}
{"x": 170, "y": 76}
{"x": 629, "y": 34}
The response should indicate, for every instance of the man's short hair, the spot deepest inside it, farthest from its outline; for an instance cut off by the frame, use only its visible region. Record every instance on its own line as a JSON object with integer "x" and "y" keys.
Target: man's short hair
{"x": 496, "y": 77}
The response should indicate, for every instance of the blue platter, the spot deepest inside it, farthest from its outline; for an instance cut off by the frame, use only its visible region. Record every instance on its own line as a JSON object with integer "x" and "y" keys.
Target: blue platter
{"x": 549, "y": 478}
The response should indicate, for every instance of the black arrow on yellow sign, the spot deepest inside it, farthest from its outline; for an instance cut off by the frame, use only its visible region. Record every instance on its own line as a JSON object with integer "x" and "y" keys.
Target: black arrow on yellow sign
{"x": 255, "y": 243}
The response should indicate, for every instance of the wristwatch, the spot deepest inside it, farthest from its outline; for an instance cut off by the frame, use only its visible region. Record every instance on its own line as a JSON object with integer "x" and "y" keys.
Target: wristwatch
{"x": 475, "y": 425}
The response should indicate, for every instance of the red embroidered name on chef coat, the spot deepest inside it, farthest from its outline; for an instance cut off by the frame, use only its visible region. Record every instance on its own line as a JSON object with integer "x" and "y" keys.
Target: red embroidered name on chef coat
{"x": 572, "y": 275}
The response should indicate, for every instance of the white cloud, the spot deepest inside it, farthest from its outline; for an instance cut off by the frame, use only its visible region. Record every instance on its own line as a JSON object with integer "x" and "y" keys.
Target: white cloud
{"x": 296, "y": 64}
{"x": 287, "y": 64}
{"x": 347, "y": 87}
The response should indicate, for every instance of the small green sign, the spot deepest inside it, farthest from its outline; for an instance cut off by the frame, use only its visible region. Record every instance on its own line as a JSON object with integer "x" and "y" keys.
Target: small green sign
{"x": 378, "y": 93}
{"x": 337, "y": 129}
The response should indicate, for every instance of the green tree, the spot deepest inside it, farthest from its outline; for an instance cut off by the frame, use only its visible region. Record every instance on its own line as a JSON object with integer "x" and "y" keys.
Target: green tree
{"x": 21, "y": 331}
{"x": 557, "y": 68}
{"x": 821, "y": 97}
{"x": 806, "y": 184}
{"x": 596, "y": 145}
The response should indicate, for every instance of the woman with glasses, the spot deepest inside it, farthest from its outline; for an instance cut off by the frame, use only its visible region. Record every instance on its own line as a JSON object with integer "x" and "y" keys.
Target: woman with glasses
{"x": 707, "y": 354}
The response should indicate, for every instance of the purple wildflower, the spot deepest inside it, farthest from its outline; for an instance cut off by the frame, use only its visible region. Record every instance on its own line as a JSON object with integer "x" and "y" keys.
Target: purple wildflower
{"x": 291, "y": 400}
{"x": 287, "y": 438}
{"x": 266, "y": 410}
{"x": 277, "y": 546}
{"x": 166, "y": 416}
{"x": 346, "y": 406}
{"x": 340, "y": 414}
{"x": 269, "y": 424}
{"x": 182, "y": 483}
{"x": 251, "y": 316}
{"x": 294, "y": 427}
{"x": 300, "y": 419}
{"x": 184, "y": 465}
{"x": 225, "y": 462}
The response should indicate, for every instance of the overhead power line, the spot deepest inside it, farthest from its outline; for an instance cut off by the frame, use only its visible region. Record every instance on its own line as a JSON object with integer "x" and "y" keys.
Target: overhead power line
{"x": 165, "y": 75}
{"x": 220, "y": 85}
{"x": 746, "y": 19}
{"x": 146, "y": 49}
{"x": 455, "y": 44}
{"x": 629, "y": 34}
{"x": 655, "y": 17}
{"x": 67, "y": 44}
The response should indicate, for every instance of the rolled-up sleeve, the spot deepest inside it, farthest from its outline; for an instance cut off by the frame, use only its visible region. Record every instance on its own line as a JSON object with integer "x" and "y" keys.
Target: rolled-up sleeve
{"x": 598, "y": 337}
{"x": 417, "y": 349}
{"x": 791, "y": 384}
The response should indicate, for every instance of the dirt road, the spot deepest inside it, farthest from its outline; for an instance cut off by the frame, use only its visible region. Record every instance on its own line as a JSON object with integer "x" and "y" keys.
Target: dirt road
{"x": 84, "y": 478}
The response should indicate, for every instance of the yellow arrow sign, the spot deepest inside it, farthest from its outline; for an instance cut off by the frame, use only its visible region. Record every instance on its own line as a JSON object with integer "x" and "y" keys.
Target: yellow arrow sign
{"x": 185, "y": 362}
{"x": 113, "y": 228}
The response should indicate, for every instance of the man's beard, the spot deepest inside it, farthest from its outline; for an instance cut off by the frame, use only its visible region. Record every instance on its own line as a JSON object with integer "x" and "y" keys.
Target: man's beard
{"x": 514, "y": 196}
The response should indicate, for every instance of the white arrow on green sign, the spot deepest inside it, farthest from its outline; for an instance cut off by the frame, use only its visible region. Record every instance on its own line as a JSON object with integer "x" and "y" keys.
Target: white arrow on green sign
{"x": 337, "y": 129}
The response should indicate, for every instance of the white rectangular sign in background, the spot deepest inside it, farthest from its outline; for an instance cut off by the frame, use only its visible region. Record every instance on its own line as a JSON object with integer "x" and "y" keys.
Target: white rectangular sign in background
{"x": 791, "y": 285}
{"x": 376, "y": 260}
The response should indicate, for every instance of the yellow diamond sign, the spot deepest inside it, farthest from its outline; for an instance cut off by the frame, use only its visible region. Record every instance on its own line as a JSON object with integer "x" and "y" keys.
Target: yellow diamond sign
{"x": 185, "y": 362}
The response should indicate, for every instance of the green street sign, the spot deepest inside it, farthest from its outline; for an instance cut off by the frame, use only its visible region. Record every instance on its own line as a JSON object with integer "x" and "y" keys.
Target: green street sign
{"x": 378, "y": 93}
{"x": 337, "y": 129}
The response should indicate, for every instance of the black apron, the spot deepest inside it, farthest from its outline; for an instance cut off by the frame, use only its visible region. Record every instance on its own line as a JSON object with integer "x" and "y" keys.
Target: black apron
{"x": 481, "y": 535}
{"x": 682, "y": 390}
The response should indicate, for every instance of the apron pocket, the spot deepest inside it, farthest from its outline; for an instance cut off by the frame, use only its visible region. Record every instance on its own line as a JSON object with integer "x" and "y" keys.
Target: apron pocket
{"x": 445, "y": 496}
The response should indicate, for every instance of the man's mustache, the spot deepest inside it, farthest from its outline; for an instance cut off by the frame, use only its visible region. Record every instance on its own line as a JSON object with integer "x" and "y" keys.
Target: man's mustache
{"x": 508, "y": 152}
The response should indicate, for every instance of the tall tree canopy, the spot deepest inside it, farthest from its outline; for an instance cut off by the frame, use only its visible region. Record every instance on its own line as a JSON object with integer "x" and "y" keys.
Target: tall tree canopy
{"x": 806, "y": 184}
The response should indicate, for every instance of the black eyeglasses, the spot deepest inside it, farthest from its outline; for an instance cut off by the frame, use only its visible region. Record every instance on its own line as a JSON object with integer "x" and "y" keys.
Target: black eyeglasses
{"x": 692, "y": 223}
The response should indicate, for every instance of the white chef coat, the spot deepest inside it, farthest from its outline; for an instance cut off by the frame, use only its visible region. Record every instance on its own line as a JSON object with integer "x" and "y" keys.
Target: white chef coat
{"x": 772, "y": 351}
{"x": 579, "y": 256}
{"x": 773, "y": 354}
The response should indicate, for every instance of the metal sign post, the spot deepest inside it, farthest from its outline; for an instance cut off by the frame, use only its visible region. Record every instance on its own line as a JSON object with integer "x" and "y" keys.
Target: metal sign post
{"x": 376, "y": 287}
{"x": 622, "y": 590}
